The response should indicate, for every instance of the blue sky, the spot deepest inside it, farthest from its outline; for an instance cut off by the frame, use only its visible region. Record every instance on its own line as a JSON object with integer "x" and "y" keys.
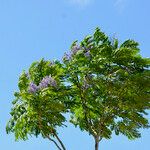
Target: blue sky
{"x": 32, "y": 29}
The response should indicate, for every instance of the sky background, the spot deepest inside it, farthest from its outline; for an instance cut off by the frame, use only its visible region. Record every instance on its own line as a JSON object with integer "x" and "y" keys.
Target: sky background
{"x": 32, "y": 29}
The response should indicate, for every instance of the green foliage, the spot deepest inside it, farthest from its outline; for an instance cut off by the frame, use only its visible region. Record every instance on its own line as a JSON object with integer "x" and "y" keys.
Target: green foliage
{"x": 109, "y": 86}
{"x": 104, "y": 85}
{"x": 40, "y": 112}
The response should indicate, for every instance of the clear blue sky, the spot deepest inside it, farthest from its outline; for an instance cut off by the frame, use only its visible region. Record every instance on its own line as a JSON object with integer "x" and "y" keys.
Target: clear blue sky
{"x": 32, "y": 29}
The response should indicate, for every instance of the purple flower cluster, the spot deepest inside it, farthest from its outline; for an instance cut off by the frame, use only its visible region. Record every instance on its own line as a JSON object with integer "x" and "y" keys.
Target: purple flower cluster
{"x": 87, "y": 54}
{"x": 67, "y": 57}
{"x": 46, "y": 81}
{"x": 75, "y": 49}
{"x": 33, "y": 88}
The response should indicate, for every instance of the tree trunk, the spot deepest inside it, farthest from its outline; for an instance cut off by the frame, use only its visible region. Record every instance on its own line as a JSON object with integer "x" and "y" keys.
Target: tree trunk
{"x": 96, "y": 143}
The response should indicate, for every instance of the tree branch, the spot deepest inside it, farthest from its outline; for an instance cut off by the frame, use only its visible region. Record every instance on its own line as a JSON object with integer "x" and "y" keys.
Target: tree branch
{"x": 89, "y": 123}
{"x": 54, "y": 142}
{"x": 40, "y": 126}
{"x": 61, "y": 143}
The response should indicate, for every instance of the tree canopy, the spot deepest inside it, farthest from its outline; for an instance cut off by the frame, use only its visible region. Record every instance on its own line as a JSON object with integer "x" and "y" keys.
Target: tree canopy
{"x": 104, "y": 86}
{"x": 38, "y": 107}
{"x": 110, "y": 85}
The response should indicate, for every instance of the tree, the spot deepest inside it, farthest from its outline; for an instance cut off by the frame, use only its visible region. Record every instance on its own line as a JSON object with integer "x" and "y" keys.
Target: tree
{"x": 38, "y": 107}
{"x": 109, "y": 86}
{"x": 104, "y": 86}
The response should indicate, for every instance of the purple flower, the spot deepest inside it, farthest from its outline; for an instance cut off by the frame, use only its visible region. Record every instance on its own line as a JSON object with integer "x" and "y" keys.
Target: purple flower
{"x": 87, "y": 48}
{"x": 75, "y": 49}
{"x": 33, "y": 88}
{"x": 87, "y": 54}
{"x": 46, "y": 81}
{"x": 67, "y": 57}
{"x": 52, "y": 82}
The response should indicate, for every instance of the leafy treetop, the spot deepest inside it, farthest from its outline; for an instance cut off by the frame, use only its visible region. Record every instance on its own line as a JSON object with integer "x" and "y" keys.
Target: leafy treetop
{"x": 110, "y": 86}
{"x": 38, "y": 107}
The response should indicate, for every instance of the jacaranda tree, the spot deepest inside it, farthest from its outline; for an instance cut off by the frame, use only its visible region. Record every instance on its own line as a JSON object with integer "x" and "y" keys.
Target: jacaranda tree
{"x": 104, "y": 86}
